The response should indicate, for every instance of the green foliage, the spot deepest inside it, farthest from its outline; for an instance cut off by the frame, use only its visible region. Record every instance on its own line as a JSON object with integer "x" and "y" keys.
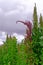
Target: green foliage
{"x": 35, "y": 18}
{"x": 8, "y": 52}
{"x": 25, "y": 53}
{"x": 41, "y": 21}
{"x": 21, "y": 54}
{"x": 37, "y": 46}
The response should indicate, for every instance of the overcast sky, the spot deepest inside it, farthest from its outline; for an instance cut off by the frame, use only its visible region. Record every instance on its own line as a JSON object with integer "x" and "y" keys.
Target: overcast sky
{"x": 13, "y": 10}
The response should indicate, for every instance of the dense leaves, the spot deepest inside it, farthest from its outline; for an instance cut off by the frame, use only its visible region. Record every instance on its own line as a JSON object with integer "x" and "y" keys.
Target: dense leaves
{"x": 8, "y": 52}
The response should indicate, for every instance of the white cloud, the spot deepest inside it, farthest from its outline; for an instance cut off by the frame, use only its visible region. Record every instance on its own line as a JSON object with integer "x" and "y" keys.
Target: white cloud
{"x": 15, "y": 10}
{"x": 21, "y": 6}
{"x": 1, "y": 0}
{"x": 29, "y": 4}
{"x": 11, "y": 12}
{"x": 7, "y": 0}
{"x": 2, "y": 36}
{"x": 18, "y": 37}
{"x": 1, "y": 11}
{"x": 1, "y": 42}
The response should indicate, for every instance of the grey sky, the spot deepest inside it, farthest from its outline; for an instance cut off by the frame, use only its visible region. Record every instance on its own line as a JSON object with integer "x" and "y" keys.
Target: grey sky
{"x": 13, "y": 10}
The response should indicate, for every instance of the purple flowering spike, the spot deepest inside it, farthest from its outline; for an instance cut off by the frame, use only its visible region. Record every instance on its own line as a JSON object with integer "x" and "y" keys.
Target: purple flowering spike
{"x": 29, "y": 28}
